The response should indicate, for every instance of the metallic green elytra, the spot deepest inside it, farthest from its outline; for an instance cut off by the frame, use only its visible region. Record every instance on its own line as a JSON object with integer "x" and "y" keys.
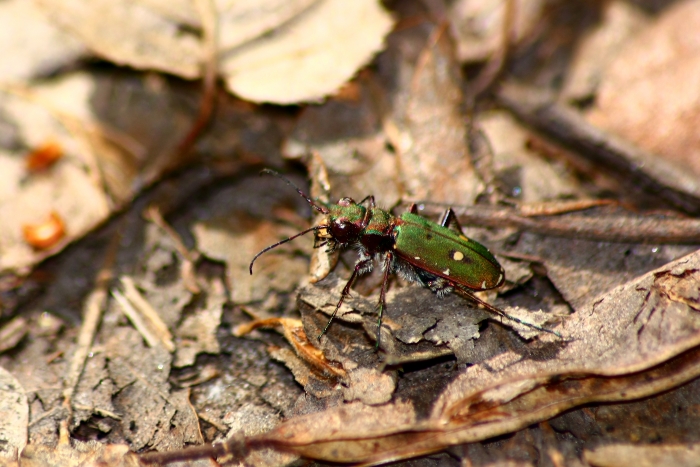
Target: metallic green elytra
{"x": 438, "y": 256}
{"x": 446, "y": 253}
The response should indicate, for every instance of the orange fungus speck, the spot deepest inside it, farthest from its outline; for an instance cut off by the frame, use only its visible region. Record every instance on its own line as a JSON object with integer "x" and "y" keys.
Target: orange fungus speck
{"x": 45, "y": 234}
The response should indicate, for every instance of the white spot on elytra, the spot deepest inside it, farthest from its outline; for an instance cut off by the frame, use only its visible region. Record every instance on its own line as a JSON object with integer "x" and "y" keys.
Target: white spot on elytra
{"x": 458, "y": 256}
{"x": 483, "y": 285}
{"x": 416, "y": 257}
{"x": 446, "y": 272}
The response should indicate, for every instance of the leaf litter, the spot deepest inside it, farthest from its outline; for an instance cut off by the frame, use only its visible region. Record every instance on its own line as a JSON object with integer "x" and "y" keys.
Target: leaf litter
{"x": 447, "y": 374}
{"x": 509, "y": 392}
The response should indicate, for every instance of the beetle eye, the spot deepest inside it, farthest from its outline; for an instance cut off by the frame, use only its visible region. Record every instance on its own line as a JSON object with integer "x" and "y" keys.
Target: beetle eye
{"x": 344, "y": 231}
{"x": 345, "y": 202}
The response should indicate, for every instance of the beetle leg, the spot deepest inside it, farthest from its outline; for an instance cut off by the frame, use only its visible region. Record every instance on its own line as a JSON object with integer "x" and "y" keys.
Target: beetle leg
{"x": 369, "y": 198}
{"x": 360, "y": 266}
{"x": 368, "y": 212}
{"x": 449, "y": 220}
{"x": 388, "y": 259}
{"x": 502, "y": 313}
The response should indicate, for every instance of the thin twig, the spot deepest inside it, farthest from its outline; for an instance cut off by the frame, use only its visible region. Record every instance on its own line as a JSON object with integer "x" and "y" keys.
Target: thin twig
{"x": 136, "y": 319}
{"x": 147, "y": 314}
{"x": 620, "y": 228}
{"x": 638, "y": 169}
{"x": 94, "y": 305}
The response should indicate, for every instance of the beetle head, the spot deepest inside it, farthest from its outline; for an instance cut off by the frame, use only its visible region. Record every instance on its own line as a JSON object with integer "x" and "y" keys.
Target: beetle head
{"x": 346, "y": 221}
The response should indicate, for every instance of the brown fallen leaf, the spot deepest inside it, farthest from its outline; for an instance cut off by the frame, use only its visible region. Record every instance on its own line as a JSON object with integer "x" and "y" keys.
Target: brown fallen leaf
{"x": 134, "y": 33}
{"x": 648, "y": 96}
{"x": 311, "y": 56}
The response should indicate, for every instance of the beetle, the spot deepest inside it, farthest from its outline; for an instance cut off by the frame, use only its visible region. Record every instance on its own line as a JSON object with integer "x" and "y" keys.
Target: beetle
{"x": 437, "y": 256}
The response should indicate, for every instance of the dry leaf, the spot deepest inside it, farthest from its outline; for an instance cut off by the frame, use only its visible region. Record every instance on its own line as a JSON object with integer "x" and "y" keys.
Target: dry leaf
{"x": 310, "y": 56}
{"x": 281, "y": 52}
{"x": 370, "y": 386}
{"x": 68, "y": 189}
{"x": 33, "y": 46}
{"x": 129, "y": 33}
{"x": 521, "y": 173}
{"x": 649, "y": 94}
{"x": 236, "y": 229}
{"x": 326, "y": 435}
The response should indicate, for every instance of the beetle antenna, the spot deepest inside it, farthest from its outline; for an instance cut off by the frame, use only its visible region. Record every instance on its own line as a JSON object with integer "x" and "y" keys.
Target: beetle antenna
{"x": 312, "y": 203}
{"x": 285, "y": 241}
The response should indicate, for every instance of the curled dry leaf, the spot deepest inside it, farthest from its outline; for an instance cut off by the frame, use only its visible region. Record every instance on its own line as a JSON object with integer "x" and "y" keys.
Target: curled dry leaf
{"x": 318, "y": 374}
{"x": 640, "y": 339}
{"x": 322, "y": 261}
{"x": 347, "y": 433}
{"x": 293, "y": 331}
{"x": 46, "y": 233}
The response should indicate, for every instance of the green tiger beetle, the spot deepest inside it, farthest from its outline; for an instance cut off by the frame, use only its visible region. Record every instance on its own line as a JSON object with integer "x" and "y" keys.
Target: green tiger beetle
{"x": 437, "y": 256}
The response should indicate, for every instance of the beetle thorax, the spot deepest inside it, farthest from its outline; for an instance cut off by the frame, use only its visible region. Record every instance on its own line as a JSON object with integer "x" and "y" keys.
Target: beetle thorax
{"x": 345, "y": 223}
